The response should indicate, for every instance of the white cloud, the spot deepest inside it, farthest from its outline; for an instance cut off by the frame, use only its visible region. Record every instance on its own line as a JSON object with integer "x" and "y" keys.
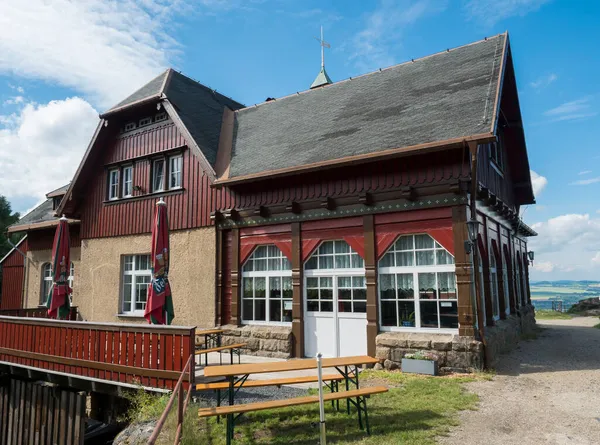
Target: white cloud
{"x": 571, "y": 243}
{"x": 573, "y": 110}
{"x": 490, "y": 12}
{"x": 584, "y": 172}
{"x": 14, "y": 100}
{"x": 104, "y": 49}
{"x": 544, "y": 267}
{"x": 596, "y": 259}
{"x": 586, "y": 181}
{"x": 371, "y": 47}
{"x": 538, "y": 183}
{"x": 43, "y": 145}
{"x": 544, "y": 81}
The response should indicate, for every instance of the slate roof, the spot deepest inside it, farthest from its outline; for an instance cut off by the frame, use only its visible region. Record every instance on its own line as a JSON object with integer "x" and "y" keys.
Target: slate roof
{"x": 199, "y": 107}
{"x": 42, "y": 213}
{"x": 444, "y": 96}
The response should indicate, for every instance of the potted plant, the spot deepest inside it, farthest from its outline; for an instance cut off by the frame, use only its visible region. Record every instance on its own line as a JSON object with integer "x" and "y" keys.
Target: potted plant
{"x": 410, "y": 321}
{"x": 420, "y": 362}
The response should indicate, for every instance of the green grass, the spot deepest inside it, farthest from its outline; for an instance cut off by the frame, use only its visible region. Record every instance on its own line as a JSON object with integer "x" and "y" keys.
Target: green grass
{"x": 546, "y": 314}
{"x": 414, "y": 411}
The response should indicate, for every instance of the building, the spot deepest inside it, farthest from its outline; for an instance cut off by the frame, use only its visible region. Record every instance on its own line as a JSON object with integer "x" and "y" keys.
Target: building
{"x": 331, "y": 220}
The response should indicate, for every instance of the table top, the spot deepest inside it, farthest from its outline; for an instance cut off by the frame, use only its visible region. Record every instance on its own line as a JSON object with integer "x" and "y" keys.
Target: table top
{"x": 210, "y": 331}
{"x": 291, "y": 365}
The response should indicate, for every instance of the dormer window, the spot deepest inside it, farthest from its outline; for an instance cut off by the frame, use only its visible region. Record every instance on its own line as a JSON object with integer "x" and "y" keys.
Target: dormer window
{"x": 145, "y": 121}
{"x": 160, "y": 117}
{"x": 130, "y": 126}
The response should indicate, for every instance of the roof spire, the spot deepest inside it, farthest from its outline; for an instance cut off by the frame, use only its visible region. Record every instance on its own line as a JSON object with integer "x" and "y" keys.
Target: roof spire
{"x": 322, "y": 77}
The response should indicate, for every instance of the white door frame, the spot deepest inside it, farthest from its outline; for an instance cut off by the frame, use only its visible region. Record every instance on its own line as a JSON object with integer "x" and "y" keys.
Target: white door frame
{"x": 333, "y": 274}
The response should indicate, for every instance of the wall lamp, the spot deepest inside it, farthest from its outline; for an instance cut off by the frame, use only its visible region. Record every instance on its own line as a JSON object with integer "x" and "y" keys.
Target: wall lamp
{"x": 473, "y": 229}
{"x": 531, "y": 256}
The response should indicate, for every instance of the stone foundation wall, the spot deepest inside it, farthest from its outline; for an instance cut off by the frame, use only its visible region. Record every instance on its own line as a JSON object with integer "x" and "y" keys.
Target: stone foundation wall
{"x": 457, "y": 353}
{"x": 265, "y": 341}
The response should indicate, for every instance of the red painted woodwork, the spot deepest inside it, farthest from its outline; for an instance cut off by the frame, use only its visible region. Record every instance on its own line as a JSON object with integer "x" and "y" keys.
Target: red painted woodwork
{"x": 351, "y": 181}
{"x": 43, "y": 239}
{"x": 166, "y": 348}
{"x": 226, "y": 284}
{"x": 308, "y": 247}
{"x": 13, "y": 270}
{"x": 248, "y": 243}
{"x": 438, "y": 229}
{"x": 496, "y": 181}
{"x": 188, "y": 208}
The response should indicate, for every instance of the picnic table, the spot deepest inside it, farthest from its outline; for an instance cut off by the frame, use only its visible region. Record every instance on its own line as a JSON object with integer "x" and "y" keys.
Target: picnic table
{"x": 213, "y": 343}
{"x": 212, "y": 337}
{"x": 237, "y": 375}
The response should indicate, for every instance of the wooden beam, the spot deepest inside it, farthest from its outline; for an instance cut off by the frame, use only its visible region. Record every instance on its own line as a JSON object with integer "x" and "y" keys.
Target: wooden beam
{"x": 366, "y": 198}
{"x": 408, "y": 192}
{"x": 236, "y": 311}
{"x": 328, "y": 203}
{"x": 297, "y": 297}
{"x": 371, "y": 278}
{"x": 294, "y": 207}
{"x": 262, "y": 211}
{"x": 464, "y": 272}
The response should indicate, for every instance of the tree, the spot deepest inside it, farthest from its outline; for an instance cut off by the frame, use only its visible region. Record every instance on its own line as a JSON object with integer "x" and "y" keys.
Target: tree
{"x": 7, "y": 217}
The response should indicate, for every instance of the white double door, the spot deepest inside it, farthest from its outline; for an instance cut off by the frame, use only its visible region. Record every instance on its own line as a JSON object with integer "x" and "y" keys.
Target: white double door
{"x": 335, "y": 318}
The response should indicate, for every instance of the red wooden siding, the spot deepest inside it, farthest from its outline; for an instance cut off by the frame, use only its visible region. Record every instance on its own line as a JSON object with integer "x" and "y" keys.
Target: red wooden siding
{"x": 188, "y": 208}
{"x": 373, "y": 177}
{"x": 498, "y": 183}
{"x": 12, "y": 279}
{"x": 43, "y": 239}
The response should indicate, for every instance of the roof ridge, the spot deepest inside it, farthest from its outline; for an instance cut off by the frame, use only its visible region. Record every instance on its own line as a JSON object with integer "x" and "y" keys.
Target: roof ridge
{"x": 380, "y": 70}
{"x": 206, "y": 87}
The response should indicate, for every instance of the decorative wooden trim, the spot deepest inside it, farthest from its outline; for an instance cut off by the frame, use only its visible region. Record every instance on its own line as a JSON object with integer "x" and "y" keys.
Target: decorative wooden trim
{"x": 222, "y": 163}
{"x": 236, "y": 313}
{"x": 371, "y": 279}
{"x": 430, "y": 147}
{"x": 297, "y": 297}
{"x": 464, "y": 272}
{"x": 495, "y": 114}
{"x": 157, "y": 154}
{"x": 177, "y": 191}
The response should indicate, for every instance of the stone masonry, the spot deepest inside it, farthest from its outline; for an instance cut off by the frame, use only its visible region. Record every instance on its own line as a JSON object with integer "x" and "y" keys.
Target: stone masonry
{"x": 264, "y": 341}
{"x": 457, "y": 353}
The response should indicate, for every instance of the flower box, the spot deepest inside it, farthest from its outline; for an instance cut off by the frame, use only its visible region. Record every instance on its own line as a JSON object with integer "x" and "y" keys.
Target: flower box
{"x": 415, "y": 366}
{"x": 420, "y": 362}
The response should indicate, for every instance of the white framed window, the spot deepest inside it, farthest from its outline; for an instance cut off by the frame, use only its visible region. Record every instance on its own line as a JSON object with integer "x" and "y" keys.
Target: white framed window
{"x": 334, "y": 255}
{"x": 158, "y": 175}
{"x": 417, "y": 286}
{"x": 113, "y": 184}
{"x": 145, "y": 121}
{"x": 267, "y": 287}
{"x": 137, "y": 275}
{"x": 71, "y": 280}
{"x": 175, "y": 171}
{"x": 130, "y": 126}
{"x": 160, "y": 117}
{"x": 127, "y": 181}
{"x": 494, "y": 285}
{"x": 46, "y": 283}
{"x": 506, "y": 285}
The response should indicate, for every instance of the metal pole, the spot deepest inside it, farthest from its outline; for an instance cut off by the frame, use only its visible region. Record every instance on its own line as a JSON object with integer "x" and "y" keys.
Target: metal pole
{"x": 321, "y": 403}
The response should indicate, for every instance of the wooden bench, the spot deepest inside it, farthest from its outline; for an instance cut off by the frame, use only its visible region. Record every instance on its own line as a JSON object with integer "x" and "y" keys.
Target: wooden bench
{"x": 230, "y": 411}
{"x": 233, "y": 349}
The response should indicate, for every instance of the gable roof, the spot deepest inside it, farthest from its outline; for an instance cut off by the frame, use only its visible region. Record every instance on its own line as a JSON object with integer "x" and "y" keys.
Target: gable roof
{"x": 448, "y": 96}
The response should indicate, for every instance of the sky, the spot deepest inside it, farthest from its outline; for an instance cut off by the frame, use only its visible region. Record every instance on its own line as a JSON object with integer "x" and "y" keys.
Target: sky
{"x": 62, "y": 62}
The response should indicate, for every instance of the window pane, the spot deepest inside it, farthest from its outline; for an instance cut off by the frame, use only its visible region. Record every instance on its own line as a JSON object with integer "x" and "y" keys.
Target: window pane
{"x": 357, "y": 261}
{"x": 286, "y": 265}
{"x": 326, "y": 262}
{"x": 342, "y": 261}
{"x": 260, "y": 290}
{"x": 424, "y": 257}
{"x": 312, "y": 282}
{"x": 274, "y": 264}
{"x": 248, "y": 288}
{"x": 359, "y": 294}
{"x": 175, "y": 171}
{"x": 275, "y": 287}
{"x": 312, "y": 263}
{"x": 260, "y": 265}
{"x": 387, "y": 287}
{"x": 406, "y": 312}
{"x": 345, "y": 306}
{"x": 444, "y": 257}
{"x": 327, "y": 306}
{"x": 404, "y": 243}
{"x": 275, "y": 310}
{"x": 345, "y": 282}
{"x": 260, "y": 310}
{"x": 449, "y": 314}
{"x": 273, "y": 251}
{"x": 404, "y": 259}
{"x": 158, "y": 180}
{"x": 326, "y": 248}
{"x": 312, "y": 306}
{"x": 427, "y": 288}
{"x": 261, "y": 252}
{"x": 358, "y": 282}
{"x": 312, "y": 294}
{"x": 342, "y": 247}
{"x": 405, "y": 286}
{"x": 388, "y": 313}
{"x": 249, "y": 266}
{"x": 447, "y": 285}
{"x": 247, "y": 313}
{"x": 326, "y": 294}
{"x": 287, "y": 287}
{"x": 423, "y": 242}
{"x": 429, "y": 316}
{"x": 326, "y": 282}
{"x": 344, "y": 294}
{"x": 387, "y": 260}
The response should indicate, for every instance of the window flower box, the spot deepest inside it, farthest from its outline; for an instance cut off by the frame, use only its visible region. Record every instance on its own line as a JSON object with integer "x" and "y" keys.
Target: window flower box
{"x": 420, "y": 363}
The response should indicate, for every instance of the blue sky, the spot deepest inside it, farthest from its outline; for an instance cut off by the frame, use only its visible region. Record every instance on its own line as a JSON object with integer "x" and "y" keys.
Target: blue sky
{"x": 62, "y": 62}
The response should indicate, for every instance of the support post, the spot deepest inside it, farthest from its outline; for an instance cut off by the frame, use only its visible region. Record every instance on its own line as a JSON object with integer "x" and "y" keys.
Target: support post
{"x": 236, "y": 311}
{"x": 371, "y": 278}
{"x": 297, "y": 299}
{"x": 219, "y": 278}
{"x": 464, "y": 272}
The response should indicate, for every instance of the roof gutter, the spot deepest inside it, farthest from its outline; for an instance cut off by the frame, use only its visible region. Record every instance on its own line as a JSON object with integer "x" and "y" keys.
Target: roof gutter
{"x": 35, "y": 226}
{"x": 428, "y": 147}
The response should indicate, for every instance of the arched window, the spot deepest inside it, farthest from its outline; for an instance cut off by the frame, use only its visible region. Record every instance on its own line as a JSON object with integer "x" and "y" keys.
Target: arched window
{"x": 46, "y": 282}
{"x": 494, "y": 285}
{"x": 267, "y": 287}
{"x": 417, "y": 285}
{"x": 481, "y": 287}
{"x": 517, "y": 279}
{"x": 524, "y": 278}
{"x": 506, "y": 285}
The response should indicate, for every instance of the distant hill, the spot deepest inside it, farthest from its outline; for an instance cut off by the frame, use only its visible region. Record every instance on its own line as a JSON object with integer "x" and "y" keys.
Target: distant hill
{"x": 580, "y": 283}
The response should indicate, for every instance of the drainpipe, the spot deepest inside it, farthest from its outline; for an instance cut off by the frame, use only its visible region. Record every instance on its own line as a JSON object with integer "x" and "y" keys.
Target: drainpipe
{"x": 473, "y": 150}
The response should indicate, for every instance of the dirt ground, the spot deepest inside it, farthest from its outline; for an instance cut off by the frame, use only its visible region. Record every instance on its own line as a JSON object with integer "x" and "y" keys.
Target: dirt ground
{"x": 546, "y": 392}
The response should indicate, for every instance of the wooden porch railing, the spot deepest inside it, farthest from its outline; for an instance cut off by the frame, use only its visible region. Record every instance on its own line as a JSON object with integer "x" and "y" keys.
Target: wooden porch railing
{"x": 38, "y": 312}
{"x": 181, "y": 404}
{"x": 150, "y": 355}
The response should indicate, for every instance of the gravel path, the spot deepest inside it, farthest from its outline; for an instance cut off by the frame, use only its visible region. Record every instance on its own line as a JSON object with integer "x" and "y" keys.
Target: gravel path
{"x": 260, "y": 394}
{"x": 546, "y": 392}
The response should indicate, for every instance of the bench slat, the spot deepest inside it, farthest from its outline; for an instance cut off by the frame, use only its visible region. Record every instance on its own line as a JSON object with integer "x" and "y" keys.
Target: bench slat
{"x": 220, "y": 348}
{"x": 248, "y": 407}
{"x": 272, "y": 382}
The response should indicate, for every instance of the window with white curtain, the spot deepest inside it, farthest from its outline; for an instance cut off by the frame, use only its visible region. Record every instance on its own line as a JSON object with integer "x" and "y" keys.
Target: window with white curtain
{"x": 417, "y": 285}
{"x": 46, "y": 282}
{"x": 113, "y": 184}
{"x": 158, "y": 175}
{"x": 494, "y": 285}
{"x": 137, "y": 275}
{"x": 127, "y": 181}
{"x": 175, "y": 167}
{"x": 267, "y": 287}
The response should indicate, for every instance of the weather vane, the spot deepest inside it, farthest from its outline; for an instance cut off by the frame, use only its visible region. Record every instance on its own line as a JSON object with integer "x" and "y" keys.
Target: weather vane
{"x": 324, "y": 45}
